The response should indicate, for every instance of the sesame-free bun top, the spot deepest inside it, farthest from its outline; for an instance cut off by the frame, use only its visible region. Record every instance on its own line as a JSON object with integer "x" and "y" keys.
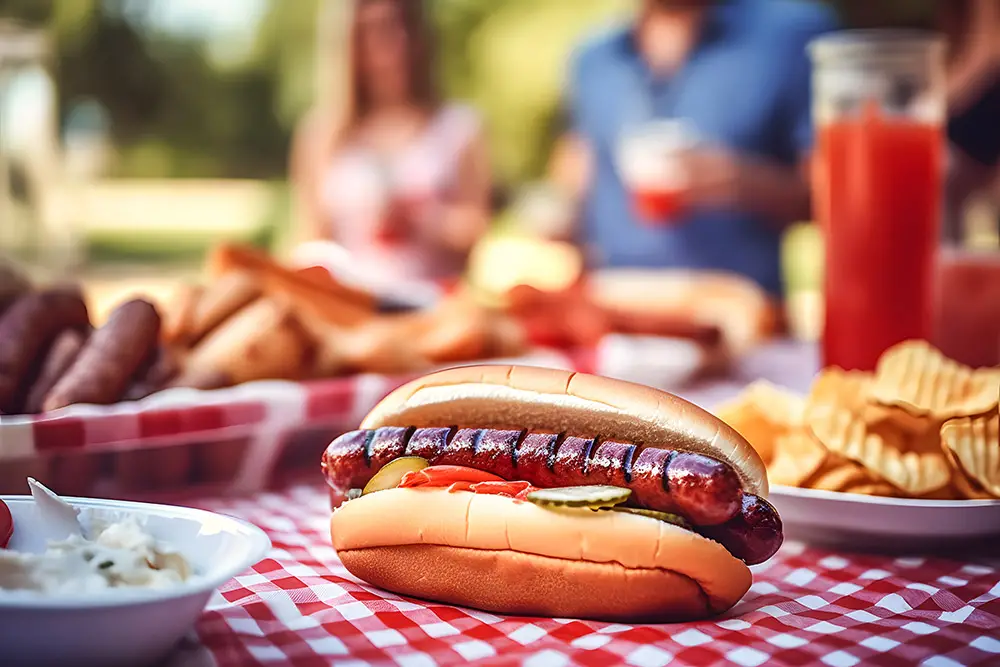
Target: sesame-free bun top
{"x": 559, "y": 401}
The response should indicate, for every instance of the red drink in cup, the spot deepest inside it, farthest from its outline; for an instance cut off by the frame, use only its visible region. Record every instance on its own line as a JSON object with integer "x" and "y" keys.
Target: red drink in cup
{"x": 650, "y": 168}
{"x": 878, "y": 179}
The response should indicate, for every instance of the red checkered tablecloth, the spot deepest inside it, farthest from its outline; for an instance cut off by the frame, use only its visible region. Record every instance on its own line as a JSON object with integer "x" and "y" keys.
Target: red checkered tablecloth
{"x": 807, "y": 606}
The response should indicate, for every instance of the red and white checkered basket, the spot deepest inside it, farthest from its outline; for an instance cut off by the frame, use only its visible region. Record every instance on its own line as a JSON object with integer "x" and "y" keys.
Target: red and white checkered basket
{"x": 248, "y": 437}
{"x": 240, "y": 439}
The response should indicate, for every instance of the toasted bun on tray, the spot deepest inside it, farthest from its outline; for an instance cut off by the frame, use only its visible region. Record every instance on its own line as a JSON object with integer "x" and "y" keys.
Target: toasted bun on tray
{"x": 536, "y": 491}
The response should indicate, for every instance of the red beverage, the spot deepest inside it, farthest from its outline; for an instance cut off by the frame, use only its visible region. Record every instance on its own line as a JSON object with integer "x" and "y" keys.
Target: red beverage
{"x": 649, "y": 162}
{"x": 656, "y": 206}
{"x": 968, "y": 311}
{"x": 878, "y": 186}
{"x": 403, "y": 212}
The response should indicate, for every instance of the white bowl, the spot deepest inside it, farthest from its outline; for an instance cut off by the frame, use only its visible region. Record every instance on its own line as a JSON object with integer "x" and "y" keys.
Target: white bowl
{"x": 853, "y": 521}
{"x": 132, "y": 627}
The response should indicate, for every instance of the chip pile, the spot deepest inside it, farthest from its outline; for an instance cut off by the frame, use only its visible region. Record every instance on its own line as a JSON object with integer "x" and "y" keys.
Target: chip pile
{"x": 920, "y": 426}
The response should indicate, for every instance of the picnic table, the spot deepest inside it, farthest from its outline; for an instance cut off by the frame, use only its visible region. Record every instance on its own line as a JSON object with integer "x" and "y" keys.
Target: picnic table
{"x": 807, "y": 606}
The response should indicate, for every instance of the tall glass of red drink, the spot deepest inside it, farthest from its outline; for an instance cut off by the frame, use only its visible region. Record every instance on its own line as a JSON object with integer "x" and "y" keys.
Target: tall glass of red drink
{"x": 878, "y": 174}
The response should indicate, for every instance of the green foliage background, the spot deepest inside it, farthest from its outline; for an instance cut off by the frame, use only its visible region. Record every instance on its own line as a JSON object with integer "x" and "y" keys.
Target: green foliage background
{"x": 177, "y": 112}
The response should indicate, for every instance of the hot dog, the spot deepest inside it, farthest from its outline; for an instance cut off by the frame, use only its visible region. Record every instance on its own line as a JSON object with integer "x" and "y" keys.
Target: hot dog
{"x": 110, "y": 359}
{"x": 61, "y": 356}
{"x": 154, "y": 375}
{"x": 27, "y": 329}
{"x": 701, "y": 489}
{"x": 693, "y": 490}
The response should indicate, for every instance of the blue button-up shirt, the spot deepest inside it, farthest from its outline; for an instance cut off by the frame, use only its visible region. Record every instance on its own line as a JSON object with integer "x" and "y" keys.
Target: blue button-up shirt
{"x": 745, "y": 86}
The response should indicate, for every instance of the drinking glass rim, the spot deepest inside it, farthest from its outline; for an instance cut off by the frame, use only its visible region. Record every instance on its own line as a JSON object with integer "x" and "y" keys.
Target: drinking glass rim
{"x": 858, "y": 44}
{"x": 682, "y": 132}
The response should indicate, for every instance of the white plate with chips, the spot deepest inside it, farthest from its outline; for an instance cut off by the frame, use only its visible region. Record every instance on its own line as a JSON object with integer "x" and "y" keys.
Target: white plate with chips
{"x": 850, "y": 520}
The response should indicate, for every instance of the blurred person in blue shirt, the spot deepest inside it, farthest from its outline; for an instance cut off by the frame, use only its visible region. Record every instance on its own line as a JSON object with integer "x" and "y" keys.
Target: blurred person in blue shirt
{"x": 737, "y": 72}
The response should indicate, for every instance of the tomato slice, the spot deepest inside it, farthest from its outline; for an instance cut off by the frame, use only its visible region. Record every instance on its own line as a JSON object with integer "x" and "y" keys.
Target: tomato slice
{"x": 446, "y": 476}
{"x": 512, "y": 489}
{"x": 461, "y": 478}
{"x": 6, "y": 525}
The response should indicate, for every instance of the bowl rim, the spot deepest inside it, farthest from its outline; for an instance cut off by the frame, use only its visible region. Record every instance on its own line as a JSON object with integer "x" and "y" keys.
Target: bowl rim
{"x": 856, "y": 498}
{"x": 258, "y": 541}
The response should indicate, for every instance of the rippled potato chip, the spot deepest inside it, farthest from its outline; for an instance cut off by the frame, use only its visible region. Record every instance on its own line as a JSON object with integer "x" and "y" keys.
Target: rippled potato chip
{"x": 974, "y": 443}
{"x": 797, "y": 457}
{"x": 912, "y": 464}
{"x": 916, "y": 377}
{"x": 840, "y": 474}
{"x": 779, "y": 405}
{"x": 964, "y": 487}
{"x": 836, "y": 387}
{"x": 762, "y": 414}
{"x": 851, "y": 390}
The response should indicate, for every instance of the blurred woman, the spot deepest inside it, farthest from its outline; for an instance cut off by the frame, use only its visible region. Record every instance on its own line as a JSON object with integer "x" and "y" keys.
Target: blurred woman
{"x": 398, "y": 178}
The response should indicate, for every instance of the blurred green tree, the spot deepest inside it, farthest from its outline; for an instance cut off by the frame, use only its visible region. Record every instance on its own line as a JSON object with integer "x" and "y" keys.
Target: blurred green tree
{"x": 176, "y": 110}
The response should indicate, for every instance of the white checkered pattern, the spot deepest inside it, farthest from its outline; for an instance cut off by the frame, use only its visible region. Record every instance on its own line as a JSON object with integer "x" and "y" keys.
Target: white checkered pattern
{"x": 810, "y": 607}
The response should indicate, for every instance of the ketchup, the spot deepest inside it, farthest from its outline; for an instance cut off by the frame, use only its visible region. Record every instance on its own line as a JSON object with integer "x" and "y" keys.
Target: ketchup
{"x": 461, "y": 478}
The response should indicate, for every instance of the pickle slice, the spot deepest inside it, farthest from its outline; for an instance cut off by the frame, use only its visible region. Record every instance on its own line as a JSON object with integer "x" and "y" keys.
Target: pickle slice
{"x": 675, "y": 519}
{"x": 392, "y": 473}
{"x": 594, "y": 497}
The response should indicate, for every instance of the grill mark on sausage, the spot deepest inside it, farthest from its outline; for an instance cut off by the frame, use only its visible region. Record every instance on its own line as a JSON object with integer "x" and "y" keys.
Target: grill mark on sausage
{"x": 369, "y": 438}
{"x": 666, "y": 466}
{"x": 554, "y": 445}
{"x": 627, "y": 469}
{"x": 752, "y": 533}
{"x": 407, "y": 436}
{"x": 517, "y": 447}
{"x": 588, "y": 455}
{"x": 704, "y": 490}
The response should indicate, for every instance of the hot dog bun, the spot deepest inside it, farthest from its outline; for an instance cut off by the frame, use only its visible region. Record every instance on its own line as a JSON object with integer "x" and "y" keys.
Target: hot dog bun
{"x": 497, "y": 554}
{"x": 732, "y": 304}
{"x": 548, "y": 400}
{"x": 314, "y": 291}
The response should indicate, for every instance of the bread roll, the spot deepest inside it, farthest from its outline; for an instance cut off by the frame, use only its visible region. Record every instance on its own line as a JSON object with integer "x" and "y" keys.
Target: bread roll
{"x": 262, "y": 341}
{"x": 497, "y": 554}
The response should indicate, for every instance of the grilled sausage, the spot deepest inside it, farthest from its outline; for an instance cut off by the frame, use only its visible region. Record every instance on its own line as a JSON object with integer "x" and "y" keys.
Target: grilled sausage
{"x": 27, "y": 330}
{"x": 61, "y": 356}
{"x": 705, "y": 491}
{"x": 110, "y": 359}
{"x": 692, "y": 485}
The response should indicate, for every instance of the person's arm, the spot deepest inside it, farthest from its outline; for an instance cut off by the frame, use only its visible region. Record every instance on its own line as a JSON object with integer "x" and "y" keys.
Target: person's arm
{"x": 778, "y": 190}
{"x": 570, "y": 173}
{"x": 464, "y": 218}
{"x": 718, "y": 178}
{"x": 781, "y": 192}
{"x": 305, "y": 165}
{"x": 571, "y": 165}
{"x": 974, "y": 28}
